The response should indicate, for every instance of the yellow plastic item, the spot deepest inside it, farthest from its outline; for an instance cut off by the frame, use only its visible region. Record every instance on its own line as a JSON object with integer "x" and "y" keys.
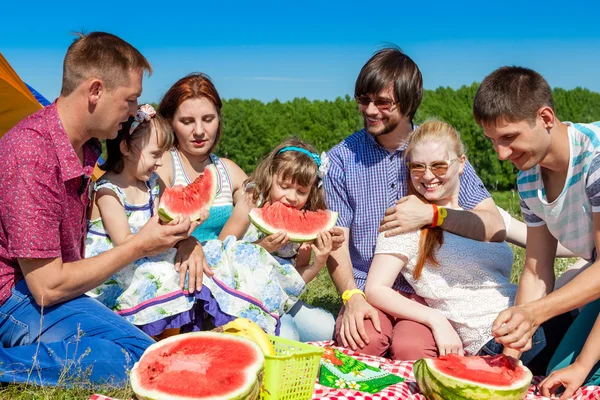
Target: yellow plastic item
{"x": 292, "y": 373}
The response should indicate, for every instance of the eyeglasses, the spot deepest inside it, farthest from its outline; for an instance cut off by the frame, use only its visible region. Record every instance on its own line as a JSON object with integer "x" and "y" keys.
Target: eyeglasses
{"x": 381, "y": 104}
{"x": 438, "y": 168}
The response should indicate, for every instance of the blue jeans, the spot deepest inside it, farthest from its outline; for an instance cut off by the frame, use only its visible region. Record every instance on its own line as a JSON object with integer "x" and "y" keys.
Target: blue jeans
{"x": 78, "y": 341}
{"x": 538, "y": 342}
{"x": 306, "y": 323}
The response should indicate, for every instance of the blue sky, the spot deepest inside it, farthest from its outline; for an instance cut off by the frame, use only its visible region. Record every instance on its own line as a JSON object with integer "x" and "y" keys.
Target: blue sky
{"x": 314, "y": 49}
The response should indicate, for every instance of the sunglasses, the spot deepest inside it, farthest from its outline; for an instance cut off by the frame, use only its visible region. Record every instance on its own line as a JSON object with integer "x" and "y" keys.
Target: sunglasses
{"x": 381, "y": 104}
{"x": 437, "y": 168}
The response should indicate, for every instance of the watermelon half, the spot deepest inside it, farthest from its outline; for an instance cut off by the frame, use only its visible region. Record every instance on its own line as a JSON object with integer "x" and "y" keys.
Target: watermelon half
{"x": 486, "y": 377}
{"x": 300, "y": 225}
{"x": 191, "y": 199}
{"x": 199, "y": 365}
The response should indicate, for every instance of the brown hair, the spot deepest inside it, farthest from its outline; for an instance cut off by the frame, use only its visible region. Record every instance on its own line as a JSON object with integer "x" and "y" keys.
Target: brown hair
{"x": 390, "y": 66}
{"x": 297, "y": 166}
{"x": 192, "y": 86}
{"x": 103, "y": 56}
{"x": 431, "y": 238}
{"x": 138, "y": 138}
{"x": 512, "y": 94}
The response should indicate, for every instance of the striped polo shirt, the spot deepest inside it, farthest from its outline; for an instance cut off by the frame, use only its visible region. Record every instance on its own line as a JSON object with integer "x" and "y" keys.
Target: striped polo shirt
{"x": 569, "y": 216}
{"x": 364, "y": 180}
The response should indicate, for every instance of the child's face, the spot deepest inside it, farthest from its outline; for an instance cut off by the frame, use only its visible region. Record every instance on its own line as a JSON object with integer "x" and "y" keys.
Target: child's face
{"x": 442, "y": 168}
{"x": 146, "y": 156}
{"x": 289, "y": 193}
{"x": 196, "y": 123}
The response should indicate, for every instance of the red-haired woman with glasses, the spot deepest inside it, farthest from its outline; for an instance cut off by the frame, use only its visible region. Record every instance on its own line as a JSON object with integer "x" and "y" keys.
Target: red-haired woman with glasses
{"x": 460, "y": 284}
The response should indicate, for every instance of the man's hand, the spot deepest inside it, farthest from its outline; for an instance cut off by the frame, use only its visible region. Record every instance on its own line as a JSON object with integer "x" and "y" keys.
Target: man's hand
{"x": 571, "y": 378}
{"x": 514, "y": 328}
{"x": 274, "y": 242}
{"x": 409, "y": 214}
{"x": 154, "y": 237}
{"x": 337, "y": 236}
{"x": 190, "y": 261}
{"x": 352, "y": 328}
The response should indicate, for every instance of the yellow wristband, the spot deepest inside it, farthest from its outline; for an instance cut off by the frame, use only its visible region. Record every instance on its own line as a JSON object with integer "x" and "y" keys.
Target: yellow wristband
{"x": 349, "y": 293}
{"x": 442, "y": 214}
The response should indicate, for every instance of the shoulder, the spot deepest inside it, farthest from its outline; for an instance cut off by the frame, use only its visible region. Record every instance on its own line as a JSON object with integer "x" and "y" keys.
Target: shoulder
{"x": 406, "y": 243}
{"x": 238, "y": 176}
{"x": 348, "y": 146}
{"x": 165, "y": 171}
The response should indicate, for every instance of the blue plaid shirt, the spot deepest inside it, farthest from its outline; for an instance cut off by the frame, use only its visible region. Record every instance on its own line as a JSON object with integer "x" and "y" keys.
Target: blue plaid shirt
{"x": 364, "y": 180}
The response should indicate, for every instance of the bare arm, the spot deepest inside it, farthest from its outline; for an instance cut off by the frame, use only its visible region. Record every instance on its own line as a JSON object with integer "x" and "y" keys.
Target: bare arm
{"x": 238, "y": 221}
{"x": 339, "y": 265}
{"x": 51, "y": 281}
{"x": 483, "y": 223}
{"x": 515, "y": 326}
{"x": 517, "y": 235}
{"x": 113, "y": 216}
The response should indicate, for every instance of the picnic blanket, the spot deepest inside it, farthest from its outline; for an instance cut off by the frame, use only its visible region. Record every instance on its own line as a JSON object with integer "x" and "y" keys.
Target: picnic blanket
{"x": 405, "y": 390}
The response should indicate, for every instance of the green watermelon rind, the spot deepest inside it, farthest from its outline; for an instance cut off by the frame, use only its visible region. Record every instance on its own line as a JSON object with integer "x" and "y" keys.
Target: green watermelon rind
{"x": 247, "y": 392}
{"x": 439, "y": 386}
{"x": 166, "y": 215}
{"x": 294, "y": 237}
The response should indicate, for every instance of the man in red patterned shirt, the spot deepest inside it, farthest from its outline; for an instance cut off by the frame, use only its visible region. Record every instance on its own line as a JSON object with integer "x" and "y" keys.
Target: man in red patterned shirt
{"x": 46, "y": 323}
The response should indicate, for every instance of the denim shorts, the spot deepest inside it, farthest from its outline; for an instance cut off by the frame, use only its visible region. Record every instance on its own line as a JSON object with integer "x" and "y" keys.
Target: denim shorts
{"x": 538, "y": 342}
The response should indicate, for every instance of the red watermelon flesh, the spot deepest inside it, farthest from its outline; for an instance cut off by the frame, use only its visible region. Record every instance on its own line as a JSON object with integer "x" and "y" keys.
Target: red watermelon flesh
{"x": 199, "y": 365}
{"x": 300, "y": 225}
{"x": 489, "y": 370}
{"x": 191, "y": 199}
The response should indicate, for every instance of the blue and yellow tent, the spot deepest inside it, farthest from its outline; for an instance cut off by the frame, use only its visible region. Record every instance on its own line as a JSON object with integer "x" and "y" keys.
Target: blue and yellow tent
{"x": 17, "y": 99}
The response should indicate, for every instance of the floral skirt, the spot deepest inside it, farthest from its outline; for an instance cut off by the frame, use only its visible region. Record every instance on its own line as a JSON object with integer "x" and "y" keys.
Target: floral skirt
{"x": 249, "y": 282}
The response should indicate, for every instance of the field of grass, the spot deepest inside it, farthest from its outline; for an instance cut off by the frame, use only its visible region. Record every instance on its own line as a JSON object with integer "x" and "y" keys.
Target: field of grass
{"x": 320, "y": 292}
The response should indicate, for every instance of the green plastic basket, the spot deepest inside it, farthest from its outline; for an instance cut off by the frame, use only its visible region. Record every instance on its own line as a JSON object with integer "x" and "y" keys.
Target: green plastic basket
{"x": 290, "y": 374}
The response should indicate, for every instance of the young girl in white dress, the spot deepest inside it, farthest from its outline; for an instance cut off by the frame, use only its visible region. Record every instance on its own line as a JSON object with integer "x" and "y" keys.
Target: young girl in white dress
{"x": 464, "y": 282}
{"x": 147, "y": 293}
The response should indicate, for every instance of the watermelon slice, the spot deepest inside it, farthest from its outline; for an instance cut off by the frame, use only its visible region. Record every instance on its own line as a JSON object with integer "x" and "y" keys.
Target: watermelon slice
{"x": 199, "y": 365}
{"x": 486, "y": 377}
{"x": 300, "y": 225}
{"x": 191, "y": 199}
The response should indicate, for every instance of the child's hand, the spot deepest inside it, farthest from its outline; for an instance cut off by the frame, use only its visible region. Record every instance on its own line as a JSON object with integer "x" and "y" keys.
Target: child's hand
{"x": 322, "y": 246}
{"x": 571, "y": 378}
{"x": 274, "y": 242}
{"x": 190, "y": 261}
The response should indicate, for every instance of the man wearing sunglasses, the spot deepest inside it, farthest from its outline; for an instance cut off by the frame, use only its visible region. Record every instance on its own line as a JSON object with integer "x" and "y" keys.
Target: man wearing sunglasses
{"x": 367, "y": 184}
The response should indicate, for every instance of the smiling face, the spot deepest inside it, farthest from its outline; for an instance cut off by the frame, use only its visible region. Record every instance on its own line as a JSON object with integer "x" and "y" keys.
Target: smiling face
{"x": 441, "y": 188}
{"x": 380, "y": 122}
{"x": 196, "y": 123}
{"x": 288, "y": 192}
{"x": 145, "y": 155}
{"x": 519, "y": 142}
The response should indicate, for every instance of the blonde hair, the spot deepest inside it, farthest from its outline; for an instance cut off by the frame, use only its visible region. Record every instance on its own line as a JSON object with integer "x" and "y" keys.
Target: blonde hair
{"x": 439, "y": 132}
{"x": 294, "y": 165}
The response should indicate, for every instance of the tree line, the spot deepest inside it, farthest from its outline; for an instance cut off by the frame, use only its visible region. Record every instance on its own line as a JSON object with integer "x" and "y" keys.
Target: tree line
{"x": 252, "y": 128}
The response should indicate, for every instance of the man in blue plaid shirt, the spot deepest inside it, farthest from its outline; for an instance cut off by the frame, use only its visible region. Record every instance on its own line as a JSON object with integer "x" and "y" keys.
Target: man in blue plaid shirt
{"x": 367, "y": 184}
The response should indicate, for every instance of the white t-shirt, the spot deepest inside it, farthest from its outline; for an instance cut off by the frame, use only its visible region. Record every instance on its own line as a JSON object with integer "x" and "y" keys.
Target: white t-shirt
{"x": 471, "y": 286}
{"x": 569, "y": 216}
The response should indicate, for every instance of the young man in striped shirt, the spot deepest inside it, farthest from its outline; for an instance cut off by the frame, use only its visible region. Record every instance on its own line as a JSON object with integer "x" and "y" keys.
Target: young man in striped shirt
{"x": 559, "y": 187}
{"x": 367, "y": 184}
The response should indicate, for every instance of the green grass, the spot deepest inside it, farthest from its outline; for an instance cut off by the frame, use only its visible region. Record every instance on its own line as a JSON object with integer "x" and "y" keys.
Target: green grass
{"x": 320, "y": 292}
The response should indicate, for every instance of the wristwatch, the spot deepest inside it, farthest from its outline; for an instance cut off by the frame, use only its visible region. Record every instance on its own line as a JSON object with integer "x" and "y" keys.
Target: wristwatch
{"x": 442, "y": 214}
{"x": 349, "y": 293}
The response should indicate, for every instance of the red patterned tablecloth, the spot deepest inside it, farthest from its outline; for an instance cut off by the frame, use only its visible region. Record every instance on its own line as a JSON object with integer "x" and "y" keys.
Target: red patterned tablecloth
{"x": 409, "y": 388}
{"x": 405, "y": 390}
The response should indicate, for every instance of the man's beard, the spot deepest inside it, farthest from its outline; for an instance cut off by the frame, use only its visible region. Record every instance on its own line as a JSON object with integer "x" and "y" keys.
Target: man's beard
{"x": 386, "y": 129}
